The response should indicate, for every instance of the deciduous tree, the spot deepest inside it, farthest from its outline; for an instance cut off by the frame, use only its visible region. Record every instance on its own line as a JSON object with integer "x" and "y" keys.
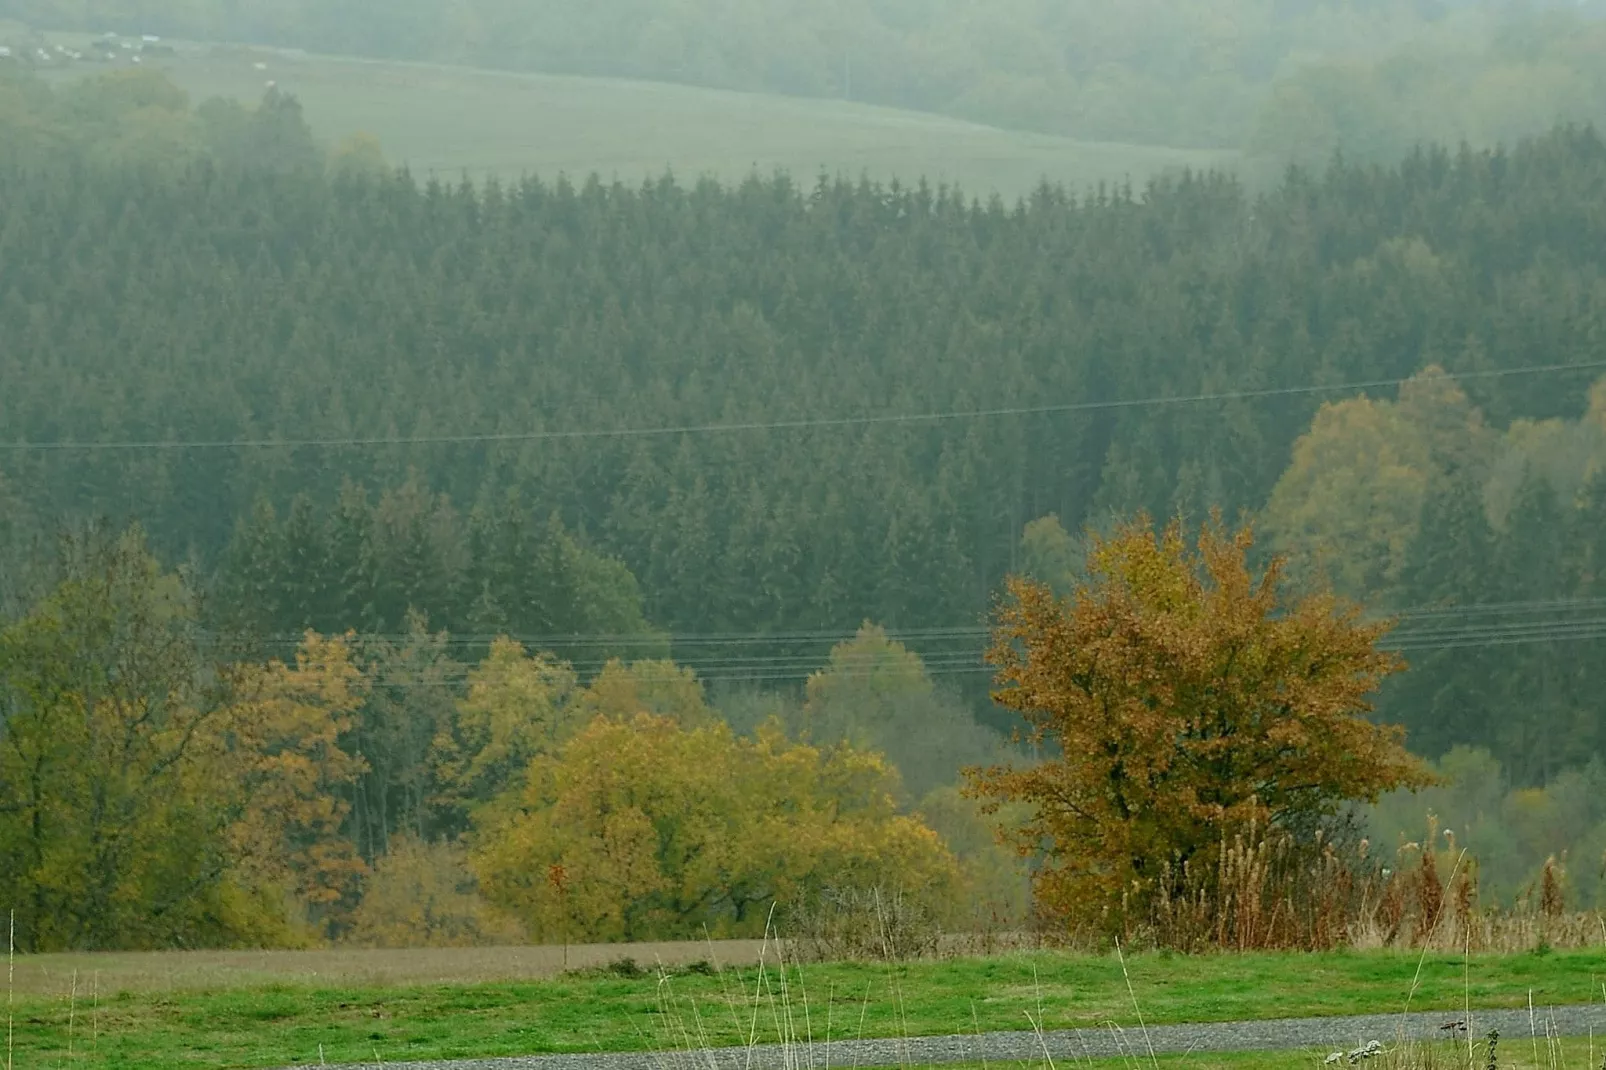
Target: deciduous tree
{"x": 112, "y": 806}
{"x": 518, "y": 708}
{"x": 1183, "y": 698}
{"x": 659, "y": 830}
{"x": 875, "y": 693}
{"x": 295, "y": 778}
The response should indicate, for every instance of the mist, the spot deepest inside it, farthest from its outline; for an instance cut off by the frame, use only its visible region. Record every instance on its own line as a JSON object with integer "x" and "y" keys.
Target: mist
{"x": 442, "y": 402}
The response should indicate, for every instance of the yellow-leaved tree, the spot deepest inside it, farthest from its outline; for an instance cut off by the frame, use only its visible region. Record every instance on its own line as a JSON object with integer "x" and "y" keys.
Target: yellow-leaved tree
{"x": 1351, "y": 501}
{"x": 518, "y": 707}
{"x": 114, "y": 707}
{"x": 658, "y": 687}
{"x": 294, "y": 777}
{"x": 642, "y": 828}
{"x": 1183, "y": 699}
{"x": 424, "y": 895}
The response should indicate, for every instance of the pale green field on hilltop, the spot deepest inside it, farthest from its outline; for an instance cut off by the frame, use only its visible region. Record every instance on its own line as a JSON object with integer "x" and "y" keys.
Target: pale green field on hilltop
{"x": 457, "y": 120}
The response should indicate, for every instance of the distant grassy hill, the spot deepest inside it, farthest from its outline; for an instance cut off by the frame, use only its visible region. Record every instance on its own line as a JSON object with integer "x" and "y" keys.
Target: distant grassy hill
{"x": 454, "y": 120}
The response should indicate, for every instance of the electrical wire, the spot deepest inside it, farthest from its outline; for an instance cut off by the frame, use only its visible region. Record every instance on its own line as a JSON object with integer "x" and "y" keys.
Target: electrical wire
{"x": 749, "y": 669}
{"x": 778, "y": 425}
{"x": 1431, "y": 613}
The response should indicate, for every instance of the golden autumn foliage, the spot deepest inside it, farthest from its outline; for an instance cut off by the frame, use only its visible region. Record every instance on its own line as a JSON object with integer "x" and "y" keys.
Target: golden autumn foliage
{"x": 519, "y": 706}
{"x": 424, "y": 895}
{"x": 110, "y": 798}
{"x": 293, "y": 773}
{"x": 1180, "y": 698}
{"x": 656, "y": 687}
{"x": 643, "y": 827}
{"x": 1351, "y": 500}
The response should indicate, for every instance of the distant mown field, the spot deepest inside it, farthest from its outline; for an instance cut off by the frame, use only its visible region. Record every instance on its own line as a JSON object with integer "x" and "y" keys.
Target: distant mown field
{"x": 455, "y": 120}
{"x": 137, "y": 972}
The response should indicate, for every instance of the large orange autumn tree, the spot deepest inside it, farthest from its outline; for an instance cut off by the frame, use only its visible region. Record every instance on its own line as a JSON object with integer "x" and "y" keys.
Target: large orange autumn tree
{"x": 1179, "y": 698}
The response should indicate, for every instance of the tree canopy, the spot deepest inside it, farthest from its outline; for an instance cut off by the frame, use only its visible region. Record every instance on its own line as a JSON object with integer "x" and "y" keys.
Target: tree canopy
{"x": 1183, "y": 699}
{"x": 692, "y": 420}
{"x": 471, "y": 470}
{"x": 643, "y": 828}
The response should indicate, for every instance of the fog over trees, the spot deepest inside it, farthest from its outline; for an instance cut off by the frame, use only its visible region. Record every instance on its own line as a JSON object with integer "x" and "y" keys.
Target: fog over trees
{"x": 420, "y": 503}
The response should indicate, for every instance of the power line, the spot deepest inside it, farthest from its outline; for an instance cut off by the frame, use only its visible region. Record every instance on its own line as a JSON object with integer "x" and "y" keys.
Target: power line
{"x": 649, "y": 639}
{"x": 1476, "y": 608}
{"x": 1437, "y": 617}
{"x": 796, "y": 668}
{"x": 778, "y": 425}
{"x": 1587, "y": 631}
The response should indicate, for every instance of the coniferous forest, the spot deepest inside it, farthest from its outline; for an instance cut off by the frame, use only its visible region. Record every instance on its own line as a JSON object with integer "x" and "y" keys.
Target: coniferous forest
{"x": 729, "y": 425}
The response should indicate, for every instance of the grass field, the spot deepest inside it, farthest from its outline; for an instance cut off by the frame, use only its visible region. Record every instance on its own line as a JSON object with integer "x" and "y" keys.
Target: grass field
{"x": 244, "y": 1025}
{"x": 453, "y": 120}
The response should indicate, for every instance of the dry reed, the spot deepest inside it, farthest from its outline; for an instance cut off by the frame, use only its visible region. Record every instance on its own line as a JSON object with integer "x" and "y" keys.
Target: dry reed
{"x": 1265, "y": 891}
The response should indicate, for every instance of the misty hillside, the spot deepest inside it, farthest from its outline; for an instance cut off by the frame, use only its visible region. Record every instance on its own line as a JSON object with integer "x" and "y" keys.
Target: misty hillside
{"x": 483, "y": 472}
{"x": 779, "y": 409}
{"x": 1186, "y": 74}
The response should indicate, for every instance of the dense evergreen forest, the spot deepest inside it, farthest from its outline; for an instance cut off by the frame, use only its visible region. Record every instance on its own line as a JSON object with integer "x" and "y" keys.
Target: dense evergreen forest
{"x": 731, "y": 424}
{"x": 1221, "y": 74}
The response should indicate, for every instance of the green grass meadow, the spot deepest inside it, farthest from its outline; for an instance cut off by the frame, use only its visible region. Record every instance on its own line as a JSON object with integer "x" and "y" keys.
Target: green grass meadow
{"x": 457, "y": 120}
{"x": 261, "y": 1026}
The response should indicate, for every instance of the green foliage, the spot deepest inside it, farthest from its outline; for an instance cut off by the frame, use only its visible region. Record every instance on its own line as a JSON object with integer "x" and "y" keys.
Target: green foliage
{"x": 370, "y": 308}
{"x": 1480, "y": 79}
{"x": 640, "y": 828}
{"x": 408, "y": 705}
{"x": 1050, "y": 555}
{"x": 997, "y": 881}
{"x": 372, "y": 566}
{"x": 1509, "y": 833}
{"x": 874, "y": 693}
{"x": 112, "y": 835}
{"x": 516, "y": 708}
{"x": 134, "y": 118}
{"x": 439, "y": 343}
{"x": 1350, "y": 505}
{"x": 1486, "y": 541}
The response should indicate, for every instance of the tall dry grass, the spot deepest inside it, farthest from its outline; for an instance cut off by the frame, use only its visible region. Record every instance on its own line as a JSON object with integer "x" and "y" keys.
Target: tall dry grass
{"x": 1266, "y": 891}
{"x": 1258, "y": 891}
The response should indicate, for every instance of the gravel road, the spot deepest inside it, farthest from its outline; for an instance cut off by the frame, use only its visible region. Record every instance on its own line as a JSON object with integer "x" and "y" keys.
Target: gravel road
{"x": 1317, "y": 1036}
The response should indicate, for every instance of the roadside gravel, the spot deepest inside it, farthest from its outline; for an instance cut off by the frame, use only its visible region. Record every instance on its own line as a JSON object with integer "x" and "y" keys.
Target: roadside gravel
{"x": 1318, "y": 1036}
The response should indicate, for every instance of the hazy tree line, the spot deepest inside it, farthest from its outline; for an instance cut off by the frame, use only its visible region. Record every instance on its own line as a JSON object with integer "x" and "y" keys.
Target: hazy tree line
{"x": 163, "y": 786}
{"x": 1483, "y": 81}
{"x": 329, "y": 341}
{"x": 1187, "y": 74}
{"x": 238, "y": 304}
{"x": 140, "y": 119}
